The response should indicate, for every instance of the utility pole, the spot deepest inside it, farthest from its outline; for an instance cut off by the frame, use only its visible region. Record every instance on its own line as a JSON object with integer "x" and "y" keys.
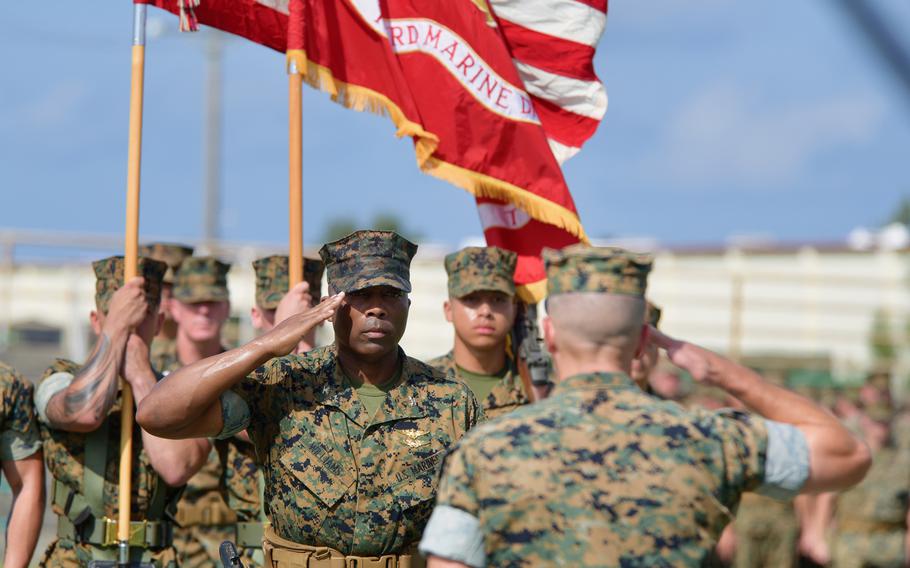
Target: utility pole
{"x": 211, "y": 207}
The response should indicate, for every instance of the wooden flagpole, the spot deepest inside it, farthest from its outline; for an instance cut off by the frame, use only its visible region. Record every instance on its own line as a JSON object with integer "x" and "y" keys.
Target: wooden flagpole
{"x": 295, "y": 144}
{"x": 295, "y": 187}
{"x": 130, "y": 270}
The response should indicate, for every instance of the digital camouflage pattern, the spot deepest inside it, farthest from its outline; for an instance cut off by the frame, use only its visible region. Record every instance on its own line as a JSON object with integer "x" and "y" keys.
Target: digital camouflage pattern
{"x": 652, "y": 314}
{"x": 163, "y": 354}
{"x": 109, "y": 278}
{"x": 583, "y": 268}
{"x": 766, "y": 533}
{"x": 64, "y": 455}
{"x": 481, "y": 268}
{"x": 272, "y": 279}
{"x": 171, "y": 254}
{"x": 19, "y": 436}
{"x": 609, "y": 477}
{"x": 871, "y": 517}
{"x": 368, "y": 258}
{"x": 335, "y": 477}
{"x": 201, "y": 279}
{"x": 505, "y": 397}
{"x": 224, "y": 491}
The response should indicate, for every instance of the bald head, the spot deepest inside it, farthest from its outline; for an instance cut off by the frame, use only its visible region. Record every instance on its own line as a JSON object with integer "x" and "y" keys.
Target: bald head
{"x": 588, "y": 326}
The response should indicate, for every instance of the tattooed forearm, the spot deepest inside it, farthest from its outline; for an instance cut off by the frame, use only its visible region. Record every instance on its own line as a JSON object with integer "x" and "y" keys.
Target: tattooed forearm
{"x": 94, "y": 388}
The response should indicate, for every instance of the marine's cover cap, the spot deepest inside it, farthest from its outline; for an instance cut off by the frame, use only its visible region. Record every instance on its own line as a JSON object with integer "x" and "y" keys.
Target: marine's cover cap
{"x": 608, "y": 270}
{"x": 201, "y": 279}
{"x": 273, "y": 281}
{"x": 109, "y": 278}
{"x": 368, "y": 258}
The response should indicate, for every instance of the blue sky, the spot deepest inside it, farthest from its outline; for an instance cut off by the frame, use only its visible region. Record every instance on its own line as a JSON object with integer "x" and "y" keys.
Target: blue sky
{"x": 771, "y": 118}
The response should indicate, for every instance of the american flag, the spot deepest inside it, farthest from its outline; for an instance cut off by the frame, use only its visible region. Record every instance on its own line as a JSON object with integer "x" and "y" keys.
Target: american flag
{"x": 553, "y": 44}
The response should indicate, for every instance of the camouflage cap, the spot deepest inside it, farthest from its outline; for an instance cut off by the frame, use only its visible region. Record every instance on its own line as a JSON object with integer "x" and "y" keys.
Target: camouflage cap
{"x": 583, "y": 268}
{"x": 171, "y": 254}
{"x": 272, "y": 281}
{"x": 481, "y": 268}
{"x": 368, "y": 258}
{"x": 652, "y": 313}
{"x": 109, "y": 278}
{"x": 201, "y": 279}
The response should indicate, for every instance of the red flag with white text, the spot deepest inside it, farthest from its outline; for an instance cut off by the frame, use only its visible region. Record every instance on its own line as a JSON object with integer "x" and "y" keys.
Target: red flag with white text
{"x": 446, "y": 76}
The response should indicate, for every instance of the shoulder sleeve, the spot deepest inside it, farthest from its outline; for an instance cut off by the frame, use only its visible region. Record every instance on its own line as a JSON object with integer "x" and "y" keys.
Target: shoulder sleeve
{"x": 454, "y": 535}
{"x": 744, "y": 444}
{"x": 49, "y": 386}
{"x": 787, "y": 464}
{"x": 19, "y": 437}
{"x": 262, "y": 393}
{"x": 235, "y": 415}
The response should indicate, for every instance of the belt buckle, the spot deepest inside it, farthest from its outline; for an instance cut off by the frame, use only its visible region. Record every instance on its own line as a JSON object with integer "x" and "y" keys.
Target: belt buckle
{"x": 138, "y": 533}
{"x": 109, "y": 536}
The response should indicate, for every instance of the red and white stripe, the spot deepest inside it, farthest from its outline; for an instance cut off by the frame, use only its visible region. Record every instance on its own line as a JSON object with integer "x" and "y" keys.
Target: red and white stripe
{"x": 552, "y": 44}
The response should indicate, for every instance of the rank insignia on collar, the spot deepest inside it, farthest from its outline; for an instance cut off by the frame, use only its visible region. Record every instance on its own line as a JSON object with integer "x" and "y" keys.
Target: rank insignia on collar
{"x": 415, "y": 438}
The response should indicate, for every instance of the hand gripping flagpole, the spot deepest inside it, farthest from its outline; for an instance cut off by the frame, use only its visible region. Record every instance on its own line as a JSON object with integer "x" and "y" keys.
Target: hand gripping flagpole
{"x": 296, "y": 67}
{"x": 130, "y": 270}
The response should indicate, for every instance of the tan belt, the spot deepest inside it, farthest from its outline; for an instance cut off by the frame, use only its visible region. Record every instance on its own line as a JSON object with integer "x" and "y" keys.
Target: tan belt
{"x": 854, "y": 525}
{"x": 283, "y": 553}
{"x": 210, "y": 510}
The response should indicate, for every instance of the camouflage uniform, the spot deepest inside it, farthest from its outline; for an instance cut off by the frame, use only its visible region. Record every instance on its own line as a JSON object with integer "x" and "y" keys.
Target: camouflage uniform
{"x": 475, "y": 269}
{"x": 506, "y": 396}
{"x": 272, "y": 280}
{"x": 173, "y": 255}
{"x": 19, "y": 436}
{"x": 85, "y": 467}
{"x": 871, "y": 517}
{"x": 609, "y": 476}
{"x": 206, "y": 520}
{"x": 766, "y": 533}
{"x": 335, "y": 477}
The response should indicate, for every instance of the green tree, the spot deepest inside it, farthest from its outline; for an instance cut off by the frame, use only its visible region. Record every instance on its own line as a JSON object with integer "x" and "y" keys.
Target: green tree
{"x": 384, "y": 221}
{"x": 338, "y": 228}
{"x": 881, "y": 339}
{"x": 901, "y": 214}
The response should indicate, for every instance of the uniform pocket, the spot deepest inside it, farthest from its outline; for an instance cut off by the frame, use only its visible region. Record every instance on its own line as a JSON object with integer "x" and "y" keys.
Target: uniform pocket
{"x": 318, "y": 468}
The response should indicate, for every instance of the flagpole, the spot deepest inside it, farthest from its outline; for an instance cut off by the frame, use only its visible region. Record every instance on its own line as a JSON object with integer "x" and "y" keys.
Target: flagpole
{"x": 130, "y": 270}
{"x": 295, "y": 188}
{"x": 295, "y": 142}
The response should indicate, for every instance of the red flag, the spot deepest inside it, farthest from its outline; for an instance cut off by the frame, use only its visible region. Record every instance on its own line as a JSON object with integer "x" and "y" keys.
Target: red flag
{"x": 444, "y": 74}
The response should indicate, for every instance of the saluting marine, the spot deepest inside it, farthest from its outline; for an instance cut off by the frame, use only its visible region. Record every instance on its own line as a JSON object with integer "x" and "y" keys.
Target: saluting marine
{"x": 602, "y": 474}
{"x": 350, "y": 436}
{"x": 482, "y": 308}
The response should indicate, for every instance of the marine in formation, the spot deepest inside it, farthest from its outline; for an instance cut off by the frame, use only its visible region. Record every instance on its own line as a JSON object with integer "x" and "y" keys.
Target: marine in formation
{"x": 481, "y": 308}
{"x": 79, "y": 410}
{"x": 350, "y": 436}
{"x": 603, "y": 474}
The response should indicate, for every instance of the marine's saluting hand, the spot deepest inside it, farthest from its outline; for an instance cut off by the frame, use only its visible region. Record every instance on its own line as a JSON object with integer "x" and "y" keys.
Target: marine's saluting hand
{"x": 284, "y": 337}
{"x": 685, "y": 355}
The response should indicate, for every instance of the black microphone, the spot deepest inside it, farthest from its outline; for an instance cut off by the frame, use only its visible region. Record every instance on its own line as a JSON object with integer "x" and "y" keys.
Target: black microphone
{"x": 229, "y": 556}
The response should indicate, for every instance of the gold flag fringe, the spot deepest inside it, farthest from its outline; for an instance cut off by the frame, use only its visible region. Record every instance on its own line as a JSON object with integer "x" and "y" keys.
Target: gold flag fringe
{"x": 532, "y": 292}
{"x": 360, "y": 98}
